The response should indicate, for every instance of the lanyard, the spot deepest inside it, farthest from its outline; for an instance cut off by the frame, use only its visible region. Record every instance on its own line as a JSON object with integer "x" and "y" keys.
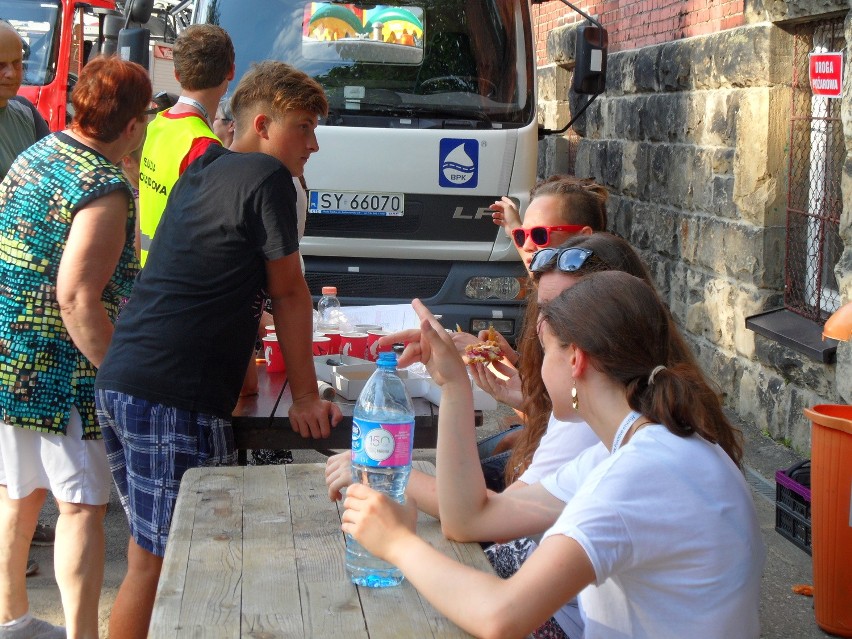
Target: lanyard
{"x": 197, "y": 105}
{"x": 622, "y": 430}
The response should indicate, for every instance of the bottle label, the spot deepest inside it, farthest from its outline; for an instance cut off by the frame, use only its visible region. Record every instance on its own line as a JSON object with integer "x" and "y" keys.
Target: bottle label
{"x": 381, "y": 445}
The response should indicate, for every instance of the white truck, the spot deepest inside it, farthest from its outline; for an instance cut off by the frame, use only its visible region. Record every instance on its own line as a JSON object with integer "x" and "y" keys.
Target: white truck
{"x": 432, "y": 118}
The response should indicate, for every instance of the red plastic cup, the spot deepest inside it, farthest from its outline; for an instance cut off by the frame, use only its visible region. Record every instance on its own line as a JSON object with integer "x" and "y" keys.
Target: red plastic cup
{"x": 334, "y": 336}
{"x": 272, "y": 354}
{"x": 322, "y": 345}
{"x": 354, "y": 345}
{"x": 269, "y": 329}
{"x": 373, "y": 349}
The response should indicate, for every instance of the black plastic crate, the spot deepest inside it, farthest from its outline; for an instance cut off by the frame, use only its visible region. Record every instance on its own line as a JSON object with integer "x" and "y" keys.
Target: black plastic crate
{"x": 793, "y": 504}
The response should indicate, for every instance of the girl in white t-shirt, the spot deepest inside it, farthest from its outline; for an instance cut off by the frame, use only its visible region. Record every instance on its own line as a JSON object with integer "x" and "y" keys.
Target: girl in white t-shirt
{"x": 521, "y": 387}
{"x": 655, "y": 528}
{"x": 545, "y": 442}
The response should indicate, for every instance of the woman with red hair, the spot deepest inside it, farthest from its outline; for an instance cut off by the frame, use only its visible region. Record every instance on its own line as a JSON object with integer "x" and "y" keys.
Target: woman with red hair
{"x": 66, "y": 261}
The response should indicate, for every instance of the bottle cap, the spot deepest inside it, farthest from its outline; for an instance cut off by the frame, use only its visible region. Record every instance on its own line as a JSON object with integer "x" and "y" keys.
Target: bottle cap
{"x": 386, "y": 358}
{"x": 329, "y": 290}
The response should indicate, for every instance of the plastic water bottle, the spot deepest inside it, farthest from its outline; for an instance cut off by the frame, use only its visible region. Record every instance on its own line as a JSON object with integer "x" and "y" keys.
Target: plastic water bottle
{"x": 328, "y": 308}
{"x": 382, "y": 440}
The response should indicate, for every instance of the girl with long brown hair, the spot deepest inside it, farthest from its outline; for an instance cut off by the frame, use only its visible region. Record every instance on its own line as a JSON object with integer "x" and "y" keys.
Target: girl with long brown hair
{"x": 608, "y": 253}
{"x": 545, "y": 443}
{"x": 654, "y": 528}
{"x": 523, "y": 388}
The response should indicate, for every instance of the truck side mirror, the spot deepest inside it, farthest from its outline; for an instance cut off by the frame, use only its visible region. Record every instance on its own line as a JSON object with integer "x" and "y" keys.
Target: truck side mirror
{"x": 590, "y": 60}
{"x": 113, "y": 24}
{"x": 133, "y": 45}
{"x": 140, "y": 11}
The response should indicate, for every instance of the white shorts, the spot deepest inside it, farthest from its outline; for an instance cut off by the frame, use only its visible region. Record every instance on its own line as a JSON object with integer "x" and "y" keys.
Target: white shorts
{"x": 76, "y": 471}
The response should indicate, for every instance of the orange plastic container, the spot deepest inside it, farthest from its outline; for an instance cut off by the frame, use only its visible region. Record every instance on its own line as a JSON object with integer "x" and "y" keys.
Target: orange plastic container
{"x": 831, "y": 516}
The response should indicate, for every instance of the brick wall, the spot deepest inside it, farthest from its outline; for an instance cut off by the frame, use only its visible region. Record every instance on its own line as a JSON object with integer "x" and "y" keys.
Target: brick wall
{"x": 638, "y": 23}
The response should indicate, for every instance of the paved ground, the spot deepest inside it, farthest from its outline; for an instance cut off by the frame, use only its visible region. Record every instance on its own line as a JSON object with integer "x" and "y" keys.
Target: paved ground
{"x": 784, "y": 615}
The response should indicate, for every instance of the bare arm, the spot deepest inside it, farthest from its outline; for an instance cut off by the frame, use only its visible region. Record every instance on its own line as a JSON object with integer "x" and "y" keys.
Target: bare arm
{"x": 468, "y": 511}
{"x": 421, "y": 486}
{"x": 91, "y": 254}
{"x": 423, "y": 489}
{"x": 505, "y": 214}
{"x": 460, "y": 339}
{"x": 483, "y": 604}
{"x": 292, "y": 312}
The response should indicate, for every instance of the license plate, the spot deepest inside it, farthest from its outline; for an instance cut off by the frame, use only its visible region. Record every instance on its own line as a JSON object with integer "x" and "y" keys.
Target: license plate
{"x": 356, "y": 203}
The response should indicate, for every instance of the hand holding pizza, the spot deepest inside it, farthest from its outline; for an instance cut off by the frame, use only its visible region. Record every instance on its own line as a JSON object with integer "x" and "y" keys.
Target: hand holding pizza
{"x": 484, "y": 352}
{"x": 462, "y": 340}
{"x": 510, "y": 355}
{"x": 505, "y": 387}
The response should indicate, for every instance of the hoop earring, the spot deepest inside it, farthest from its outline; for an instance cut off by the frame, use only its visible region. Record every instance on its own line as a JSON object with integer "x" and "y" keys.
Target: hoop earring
{"x": 575, "y": 403}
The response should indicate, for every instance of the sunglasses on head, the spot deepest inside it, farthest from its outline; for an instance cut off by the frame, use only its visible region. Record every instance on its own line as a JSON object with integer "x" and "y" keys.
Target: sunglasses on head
{"x": 540, "y": 235}
{"x": 568, "y": 260}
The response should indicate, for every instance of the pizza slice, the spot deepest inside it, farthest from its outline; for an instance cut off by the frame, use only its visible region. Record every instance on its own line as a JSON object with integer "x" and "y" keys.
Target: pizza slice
{"x": 484, "y": 352}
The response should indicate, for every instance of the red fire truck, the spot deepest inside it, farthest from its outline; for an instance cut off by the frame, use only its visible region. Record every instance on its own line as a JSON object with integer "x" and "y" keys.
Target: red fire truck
{"x": 60, "y": 36}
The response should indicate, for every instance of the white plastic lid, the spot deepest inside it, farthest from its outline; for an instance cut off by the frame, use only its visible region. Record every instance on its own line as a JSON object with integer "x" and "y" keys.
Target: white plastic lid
{"x": 329, "y": 290}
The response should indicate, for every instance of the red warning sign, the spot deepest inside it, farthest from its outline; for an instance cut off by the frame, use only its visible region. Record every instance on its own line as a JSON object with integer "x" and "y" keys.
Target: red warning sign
{"x": 826, "y": 74}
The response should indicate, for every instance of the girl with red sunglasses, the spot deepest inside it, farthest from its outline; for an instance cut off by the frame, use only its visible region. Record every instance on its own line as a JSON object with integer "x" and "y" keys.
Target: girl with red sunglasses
{"x": 560, "y": 206}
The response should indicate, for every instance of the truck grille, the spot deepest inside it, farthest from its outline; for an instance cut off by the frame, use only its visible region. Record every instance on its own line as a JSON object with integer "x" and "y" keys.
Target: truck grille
{"x": 375, "y": 285}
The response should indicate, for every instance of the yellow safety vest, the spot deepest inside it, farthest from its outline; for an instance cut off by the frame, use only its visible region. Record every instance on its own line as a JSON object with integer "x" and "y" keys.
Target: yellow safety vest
{"x": 167, "y": 141}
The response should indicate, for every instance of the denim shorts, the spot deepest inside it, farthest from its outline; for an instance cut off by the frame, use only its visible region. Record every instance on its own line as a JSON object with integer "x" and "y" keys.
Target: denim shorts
{"x": 494, "y": 466}
{"x": 149, "y": 447}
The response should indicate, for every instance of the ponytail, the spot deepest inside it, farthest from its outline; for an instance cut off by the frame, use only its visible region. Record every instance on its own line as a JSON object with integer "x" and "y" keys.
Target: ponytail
{"x": 620, "y": 322}
{"x": 680, "y": 399}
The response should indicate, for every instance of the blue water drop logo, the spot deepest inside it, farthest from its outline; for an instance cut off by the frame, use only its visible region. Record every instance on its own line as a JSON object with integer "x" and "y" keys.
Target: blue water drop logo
{"x": 459, "y": 166}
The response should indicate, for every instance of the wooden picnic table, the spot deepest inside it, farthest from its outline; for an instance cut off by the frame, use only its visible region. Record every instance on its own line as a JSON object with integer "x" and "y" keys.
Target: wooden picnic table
{"x": 258, "y": 552}
{"x": 261, "y": 421}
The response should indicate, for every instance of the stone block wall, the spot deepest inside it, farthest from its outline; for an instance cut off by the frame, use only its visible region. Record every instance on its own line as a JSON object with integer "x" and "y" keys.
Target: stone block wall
{"x": 690, "y": 138}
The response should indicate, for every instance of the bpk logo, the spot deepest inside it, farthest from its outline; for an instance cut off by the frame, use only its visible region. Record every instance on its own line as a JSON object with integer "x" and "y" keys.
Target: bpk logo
{"x": 459, "y": 163}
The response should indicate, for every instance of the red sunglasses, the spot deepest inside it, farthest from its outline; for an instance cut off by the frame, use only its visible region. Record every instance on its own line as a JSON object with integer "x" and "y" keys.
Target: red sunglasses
{"x": 540, "y": 235}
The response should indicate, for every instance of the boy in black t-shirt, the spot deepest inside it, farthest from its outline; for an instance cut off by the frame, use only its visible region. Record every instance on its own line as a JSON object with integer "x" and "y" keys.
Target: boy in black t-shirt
{"x": 176, "y": 363}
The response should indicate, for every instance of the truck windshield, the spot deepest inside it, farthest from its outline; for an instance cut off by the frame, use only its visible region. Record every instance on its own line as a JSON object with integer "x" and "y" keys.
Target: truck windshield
{"x": 38, "y": 25}
{"x": 465, "y": 59}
